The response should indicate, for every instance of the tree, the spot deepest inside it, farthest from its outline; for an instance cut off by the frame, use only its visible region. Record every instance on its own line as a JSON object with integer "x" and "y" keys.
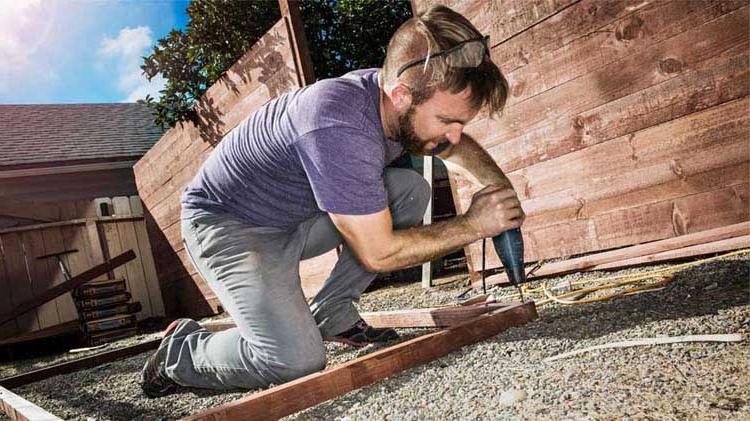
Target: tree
{"x": 342, "y": 35}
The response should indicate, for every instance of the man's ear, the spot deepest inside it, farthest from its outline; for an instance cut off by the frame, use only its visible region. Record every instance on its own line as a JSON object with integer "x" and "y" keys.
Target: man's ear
{"x": 401, "y": 97}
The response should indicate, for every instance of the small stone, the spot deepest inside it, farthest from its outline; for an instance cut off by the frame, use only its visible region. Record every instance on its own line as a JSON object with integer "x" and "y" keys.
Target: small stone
{"x": 512, "y": 396}
{"x": 710, "y": 287}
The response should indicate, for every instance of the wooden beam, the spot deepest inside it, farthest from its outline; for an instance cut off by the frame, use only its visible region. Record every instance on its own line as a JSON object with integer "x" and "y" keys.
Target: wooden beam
{"x": 319, "y": 387}
{"x": 622, "y": 257}
{"x": 79, "y": 221}
{"x": 19, "y": 409}
{"x": 293, "y": 16}
{"x": 429, "y": 317}
{"x": 66, "y": 286}
{"x": 78, "y": 364}
{"x": 66, "y": 328}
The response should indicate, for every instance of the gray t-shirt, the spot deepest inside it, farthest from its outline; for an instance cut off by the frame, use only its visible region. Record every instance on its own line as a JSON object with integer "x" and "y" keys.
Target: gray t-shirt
{"x": 316, "y": 149}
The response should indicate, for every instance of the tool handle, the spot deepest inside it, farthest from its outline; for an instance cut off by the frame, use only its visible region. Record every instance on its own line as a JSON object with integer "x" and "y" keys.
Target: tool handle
{"x": 509, "y": 246}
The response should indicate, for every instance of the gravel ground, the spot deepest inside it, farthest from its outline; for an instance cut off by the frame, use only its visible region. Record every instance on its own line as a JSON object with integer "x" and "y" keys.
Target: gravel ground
{"x": 504, "y": 377}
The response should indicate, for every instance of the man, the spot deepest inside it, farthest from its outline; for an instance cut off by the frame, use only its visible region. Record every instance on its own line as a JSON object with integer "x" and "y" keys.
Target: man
{"x": 309, "y": 171}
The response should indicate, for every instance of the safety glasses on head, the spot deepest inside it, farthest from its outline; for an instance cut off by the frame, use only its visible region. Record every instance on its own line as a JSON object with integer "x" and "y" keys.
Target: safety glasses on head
{"x": 469, "y": 53}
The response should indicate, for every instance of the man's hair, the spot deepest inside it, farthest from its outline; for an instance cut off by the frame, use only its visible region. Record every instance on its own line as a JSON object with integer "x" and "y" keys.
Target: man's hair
{"x": 440, "y": 28}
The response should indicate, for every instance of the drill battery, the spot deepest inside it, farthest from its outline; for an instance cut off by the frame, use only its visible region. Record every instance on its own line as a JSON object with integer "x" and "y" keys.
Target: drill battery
{"x": 109, "y": 323}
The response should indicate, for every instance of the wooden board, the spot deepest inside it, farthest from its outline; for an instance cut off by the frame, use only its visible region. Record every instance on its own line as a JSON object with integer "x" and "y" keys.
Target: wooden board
{"x": 41, "y": 275}
{"x": 18, "y": 279}
{"x": 53, "y": 243}
{"x": 623, "y": 256}
{"x": 134, "y": 269}
{"x": 147, "y": 259}
{"x": 316, "y": 388}
{"x": 19, "y": 409}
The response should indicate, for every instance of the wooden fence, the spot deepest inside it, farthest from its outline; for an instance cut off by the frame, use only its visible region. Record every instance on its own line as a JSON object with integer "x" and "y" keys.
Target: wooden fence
{"x": 627, "y": 121}
{"x": 98, "y": 229}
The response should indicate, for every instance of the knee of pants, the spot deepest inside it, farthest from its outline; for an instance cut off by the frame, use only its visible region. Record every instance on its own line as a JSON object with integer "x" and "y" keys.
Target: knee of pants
{"x": 310, "y": 363}
{"x": 409, "y": 209}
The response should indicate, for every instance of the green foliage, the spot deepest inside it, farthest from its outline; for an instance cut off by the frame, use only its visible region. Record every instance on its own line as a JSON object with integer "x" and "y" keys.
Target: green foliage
{"x": 342, "y": 35}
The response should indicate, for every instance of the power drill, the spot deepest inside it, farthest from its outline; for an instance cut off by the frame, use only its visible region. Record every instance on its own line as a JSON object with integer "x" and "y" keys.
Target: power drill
{"x": 509, "y": 246}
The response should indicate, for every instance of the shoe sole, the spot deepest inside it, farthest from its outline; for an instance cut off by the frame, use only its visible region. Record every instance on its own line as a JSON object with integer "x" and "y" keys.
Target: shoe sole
{"x": 346, "y": 341}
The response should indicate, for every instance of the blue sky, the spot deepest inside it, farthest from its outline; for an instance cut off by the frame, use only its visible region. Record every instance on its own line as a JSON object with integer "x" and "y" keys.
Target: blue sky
{"x": 81, "y": 51}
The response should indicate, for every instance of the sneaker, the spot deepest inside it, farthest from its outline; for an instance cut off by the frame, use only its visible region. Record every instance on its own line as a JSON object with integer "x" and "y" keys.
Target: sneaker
{"x": 362, "y": 334}
{"x": 154, "y": 380}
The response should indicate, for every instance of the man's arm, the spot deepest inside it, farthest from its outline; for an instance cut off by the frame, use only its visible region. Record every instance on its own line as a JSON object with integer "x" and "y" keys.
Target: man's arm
{"x": 380, "y": 248}
{"x": 471, "y": 161}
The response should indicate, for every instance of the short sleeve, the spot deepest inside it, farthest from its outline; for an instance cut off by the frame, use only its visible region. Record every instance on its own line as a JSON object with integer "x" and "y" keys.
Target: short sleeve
{"x": 345, "y": 170}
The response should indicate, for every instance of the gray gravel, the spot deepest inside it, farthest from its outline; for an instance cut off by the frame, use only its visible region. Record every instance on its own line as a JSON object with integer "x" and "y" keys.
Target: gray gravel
{"x": 505, "y": 377}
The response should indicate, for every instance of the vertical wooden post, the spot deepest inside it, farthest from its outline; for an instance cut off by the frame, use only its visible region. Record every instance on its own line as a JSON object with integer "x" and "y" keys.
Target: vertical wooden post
{"x": 427, "y": 220}
{"x": 292, "y": 15}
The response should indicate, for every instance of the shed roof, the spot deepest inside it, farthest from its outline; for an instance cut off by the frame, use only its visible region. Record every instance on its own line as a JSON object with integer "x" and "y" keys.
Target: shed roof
{"x": 62, "y": 134}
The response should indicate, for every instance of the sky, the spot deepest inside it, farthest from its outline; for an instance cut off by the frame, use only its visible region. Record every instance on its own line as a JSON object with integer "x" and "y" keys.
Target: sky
{"x": 81, "y": 51}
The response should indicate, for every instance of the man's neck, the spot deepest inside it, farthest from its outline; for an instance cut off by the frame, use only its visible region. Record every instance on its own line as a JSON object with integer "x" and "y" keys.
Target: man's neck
{"x": 386, "y": 109}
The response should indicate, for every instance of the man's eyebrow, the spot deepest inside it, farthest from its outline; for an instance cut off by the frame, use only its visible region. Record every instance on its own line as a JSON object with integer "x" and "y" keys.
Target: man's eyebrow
{"x": 452, "y": 120}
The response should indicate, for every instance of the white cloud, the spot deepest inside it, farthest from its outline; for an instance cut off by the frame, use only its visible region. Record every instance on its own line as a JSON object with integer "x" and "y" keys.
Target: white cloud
{"x": 126, "y": 53}
{"x": 24, "y": 28}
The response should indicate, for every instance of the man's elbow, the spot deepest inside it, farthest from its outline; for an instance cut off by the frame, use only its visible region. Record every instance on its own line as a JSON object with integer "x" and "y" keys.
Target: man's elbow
{"x": 374, "y": 265}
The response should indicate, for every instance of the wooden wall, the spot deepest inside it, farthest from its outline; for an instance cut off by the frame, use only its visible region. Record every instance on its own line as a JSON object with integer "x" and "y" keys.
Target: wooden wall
{"x": 627, "y": 121}
{"x": 70, "y": 186}
{"x": 264, "y": 72}
{"x": 79, "y": 226}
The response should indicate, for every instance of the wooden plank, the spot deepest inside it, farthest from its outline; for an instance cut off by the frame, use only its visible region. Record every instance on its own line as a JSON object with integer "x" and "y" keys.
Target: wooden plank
{"x": 632, "y": 28}
{"x": 134, "y": 268}
{"x": 429, "y": 317}
{"x": 11, "y": 327}
{"x": 303, "y": 62}
{"x": 79, "y": 221}
{"x": 624, "y": 256}
{"x": 501, "y": 19}
{"x": 67, "y": 286}
{"x": 147, "y": 259}
{"x": 53, "y": 243}
{"x": 41, "y": 275}
{"x": 319, "y": 387}
{"x": 644, "y": 69}
{"x": 90, "y": 361}
{"x": 18, "y": 279}
{"x": 719, "y": 246}
{"x": 37, "y": 211}
{"x": 19, "y": 409}
{"x": 111, "y": 244}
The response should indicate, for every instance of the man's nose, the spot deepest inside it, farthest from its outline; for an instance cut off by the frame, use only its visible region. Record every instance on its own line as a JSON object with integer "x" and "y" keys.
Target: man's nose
{"x": 454, "y": 134}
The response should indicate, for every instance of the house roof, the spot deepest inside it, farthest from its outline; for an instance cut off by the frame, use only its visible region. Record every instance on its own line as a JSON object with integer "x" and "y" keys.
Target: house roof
{"x": 65, "y": 134}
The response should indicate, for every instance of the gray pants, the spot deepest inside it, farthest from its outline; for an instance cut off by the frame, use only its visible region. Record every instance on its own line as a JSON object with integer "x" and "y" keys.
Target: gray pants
{"x": 254, "y": 271}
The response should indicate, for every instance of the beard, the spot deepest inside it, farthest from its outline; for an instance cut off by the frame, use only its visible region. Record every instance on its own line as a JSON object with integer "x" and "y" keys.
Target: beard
{"x": 407, "y": 137}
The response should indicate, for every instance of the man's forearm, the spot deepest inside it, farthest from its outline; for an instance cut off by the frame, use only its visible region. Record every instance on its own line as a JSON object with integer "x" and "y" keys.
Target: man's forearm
{"x": 414, "y": 246}
{"x": 470, "y": 160}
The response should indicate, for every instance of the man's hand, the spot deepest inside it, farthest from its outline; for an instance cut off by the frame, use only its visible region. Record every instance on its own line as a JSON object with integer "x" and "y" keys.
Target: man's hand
{"x": 494, "y": 209}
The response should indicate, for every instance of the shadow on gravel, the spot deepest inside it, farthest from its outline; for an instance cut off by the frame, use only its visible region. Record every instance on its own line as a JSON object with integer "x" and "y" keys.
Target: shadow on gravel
{"x": 695, "y": 291}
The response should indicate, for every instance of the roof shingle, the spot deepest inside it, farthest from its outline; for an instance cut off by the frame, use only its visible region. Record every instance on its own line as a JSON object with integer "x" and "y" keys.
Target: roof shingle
{"x": 32, "y": 135}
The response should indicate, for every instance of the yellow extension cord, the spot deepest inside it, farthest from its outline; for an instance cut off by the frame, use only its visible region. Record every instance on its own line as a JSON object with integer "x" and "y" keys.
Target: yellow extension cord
{"x": 621, "y": 280}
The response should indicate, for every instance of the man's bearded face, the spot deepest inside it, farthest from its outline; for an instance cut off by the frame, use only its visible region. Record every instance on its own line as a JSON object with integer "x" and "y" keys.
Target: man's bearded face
{"x": 406, "y": 135}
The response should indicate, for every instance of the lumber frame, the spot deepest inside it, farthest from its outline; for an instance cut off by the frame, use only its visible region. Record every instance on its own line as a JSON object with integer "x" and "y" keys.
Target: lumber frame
{"x": 432, "y": 317}
{"x": 319, "y": 387}
{"x": 69, "y": 285}
{"x": 78, "y": 364}
{"x": 628, "y": 256}
{"x": 19, "y": 409}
